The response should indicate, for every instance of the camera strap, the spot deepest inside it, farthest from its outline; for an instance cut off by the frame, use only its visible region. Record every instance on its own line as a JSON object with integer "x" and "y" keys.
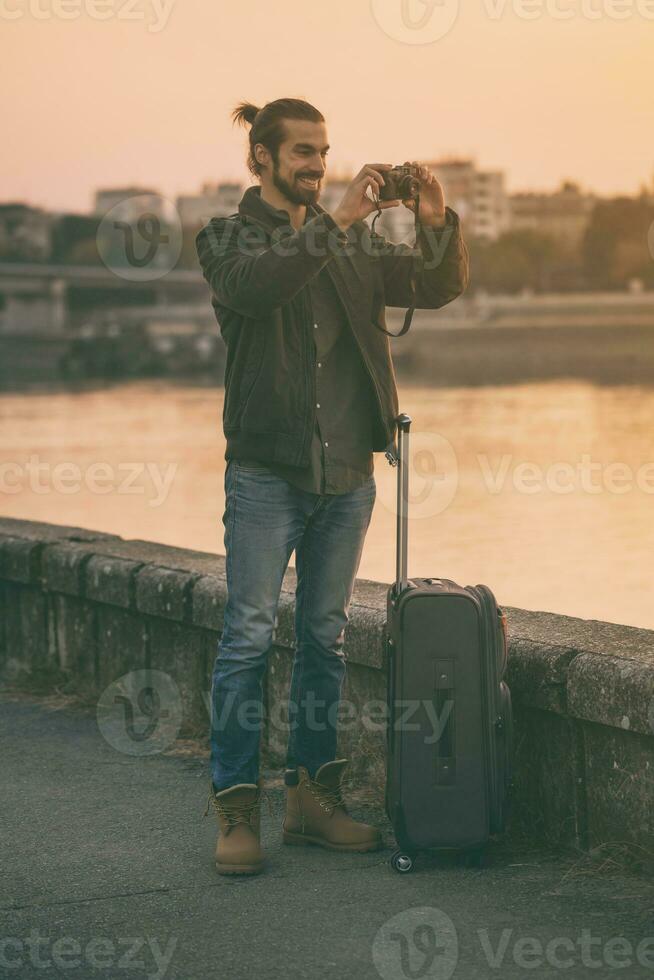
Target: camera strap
{"x": 415, "y": 259}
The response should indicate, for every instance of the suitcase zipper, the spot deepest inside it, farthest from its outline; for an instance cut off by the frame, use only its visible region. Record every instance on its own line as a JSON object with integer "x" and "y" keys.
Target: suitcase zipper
{"x": 491, "y": 682}
{"x": 496, "y": 620}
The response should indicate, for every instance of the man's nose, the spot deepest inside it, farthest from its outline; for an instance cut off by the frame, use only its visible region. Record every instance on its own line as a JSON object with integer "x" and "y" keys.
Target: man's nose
{"x": 318, "y": 166}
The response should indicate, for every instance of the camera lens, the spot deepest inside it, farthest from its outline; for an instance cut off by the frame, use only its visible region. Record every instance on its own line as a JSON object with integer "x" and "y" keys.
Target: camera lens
{"x": 408, "y": 188}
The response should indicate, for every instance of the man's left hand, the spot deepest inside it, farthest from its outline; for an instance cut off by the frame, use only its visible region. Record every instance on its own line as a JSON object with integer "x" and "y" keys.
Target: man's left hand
{"x": 432, "y": 201}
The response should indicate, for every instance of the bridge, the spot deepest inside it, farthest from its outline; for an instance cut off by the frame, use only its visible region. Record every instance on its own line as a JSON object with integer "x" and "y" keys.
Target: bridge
{"x": 42, "y": 298}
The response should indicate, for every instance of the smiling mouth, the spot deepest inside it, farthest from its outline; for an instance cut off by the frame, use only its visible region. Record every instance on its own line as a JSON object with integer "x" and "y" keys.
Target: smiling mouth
{"x": 309, "y": 181}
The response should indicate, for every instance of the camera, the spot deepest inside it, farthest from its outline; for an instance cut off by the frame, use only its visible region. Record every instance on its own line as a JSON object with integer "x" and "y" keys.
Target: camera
{"x": 401, "y": 183}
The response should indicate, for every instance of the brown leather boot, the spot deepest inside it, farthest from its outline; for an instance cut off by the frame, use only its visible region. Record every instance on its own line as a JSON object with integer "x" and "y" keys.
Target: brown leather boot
{"x": 238, "y": 849}
{"x": 316, "y": 813}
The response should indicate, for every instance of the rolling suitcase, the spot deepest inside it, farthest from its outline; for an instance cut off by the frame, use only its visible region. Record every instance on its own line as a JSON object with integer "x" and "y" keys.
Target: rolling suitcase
{"x": 450, "y": 732}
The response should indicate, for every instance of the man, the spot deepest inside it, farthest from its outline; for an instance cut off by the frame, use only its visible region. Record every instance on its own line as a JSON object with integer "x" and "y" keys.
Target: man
{"x": 310, "y": 395}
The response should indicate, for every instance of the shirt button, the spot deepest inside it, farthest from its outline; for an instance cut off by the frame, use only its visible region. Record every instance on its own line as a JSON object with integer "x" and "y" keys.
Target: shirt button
{"x": 326, "y": 443}
{"x": 319, "y": 364}
{"x": 317, "y": 404}
{"x": 315, "y": 326}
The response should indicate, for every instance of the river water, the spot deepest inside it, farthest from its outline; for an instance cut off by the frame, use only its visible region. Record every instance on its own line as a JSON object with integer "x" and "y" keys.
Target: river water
{"x": 544, "y": 491}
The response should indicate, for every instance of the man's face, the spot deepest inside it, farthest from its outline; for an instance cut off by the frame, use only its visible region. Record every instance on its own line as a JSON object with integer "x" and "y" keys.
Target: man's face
{"x": 301, "y": 163}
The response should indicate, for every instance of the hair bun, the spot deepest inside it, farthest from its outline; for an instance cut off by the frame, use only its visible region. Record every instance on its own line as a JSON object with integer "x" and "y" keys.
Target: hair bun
{"x": 245, "y": 113}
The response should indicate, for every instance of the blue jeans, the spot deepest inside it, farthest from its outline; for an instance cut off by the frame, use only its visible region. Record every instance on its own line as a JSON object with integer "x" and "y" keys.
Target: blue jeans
{"x": 266, "y": 518}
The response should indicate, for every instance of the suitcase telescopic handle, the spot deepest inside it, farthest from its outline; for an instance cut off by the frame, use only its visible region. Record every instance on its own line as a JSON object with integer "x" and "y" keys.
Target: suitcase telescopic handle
{"x": 401, "y": 460}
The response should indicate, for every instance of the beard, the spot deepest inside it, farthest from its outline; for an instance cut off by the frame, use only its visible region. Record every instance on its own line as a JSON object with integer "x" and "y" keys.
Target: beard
{"x": 296, "y": 193}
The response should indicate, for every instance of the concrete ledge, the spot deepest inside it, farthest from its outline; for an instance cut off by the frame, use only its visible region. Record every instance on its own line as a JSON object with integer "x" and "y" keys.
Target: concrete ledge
{"x": 110, "y": 580}
{"x": 164, "y": 592}
{"x": 208, "y": 601}
{"x": 83, "y": 609}
{"x": 20, "y": 559}
{"x": 62, "y": 568}
{"x": 612, "y": 691}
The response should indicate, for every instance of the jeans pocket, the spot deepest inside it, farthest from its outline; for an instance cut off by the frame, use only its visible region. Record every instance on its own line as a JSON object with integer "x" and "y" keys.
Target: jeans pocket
{"x": 254, "y": 467}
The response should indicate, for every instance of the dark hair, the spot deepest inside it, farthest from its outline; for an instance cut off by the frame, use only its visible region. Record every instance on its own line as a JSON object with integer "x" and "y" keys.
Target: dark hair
{"x": 266, "y": 125}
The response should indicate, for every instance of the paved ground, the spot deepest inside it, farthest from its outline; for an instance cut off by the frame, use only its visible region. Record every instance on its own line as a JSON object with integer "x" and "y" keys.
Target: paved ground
{"x": 107, "y": 871}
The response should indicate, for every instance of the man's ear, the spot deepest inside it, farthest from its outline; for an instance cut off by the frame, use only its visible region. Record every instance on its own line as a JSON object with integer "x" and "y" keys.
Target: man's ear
{"x": 261, "y": 154}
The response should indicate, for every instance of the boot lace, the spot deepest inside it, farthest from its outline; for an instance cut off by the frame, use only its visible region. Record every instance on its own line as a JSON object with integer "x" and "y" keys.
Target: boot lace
{"x": 327, "y": 798}
{"x": 235, "y": 813}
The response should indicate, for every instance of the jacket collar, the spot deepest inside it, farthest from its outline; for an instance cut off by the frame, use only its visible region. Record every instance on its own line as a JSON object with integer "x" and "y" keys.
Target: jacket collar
{"x": 253, "y": 207}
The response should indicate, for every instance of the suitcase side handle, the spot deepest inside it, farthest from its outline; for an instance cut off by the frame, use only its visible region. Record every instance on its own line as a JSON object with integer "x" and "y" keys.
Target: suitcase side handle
{"x": 445, "y": 699}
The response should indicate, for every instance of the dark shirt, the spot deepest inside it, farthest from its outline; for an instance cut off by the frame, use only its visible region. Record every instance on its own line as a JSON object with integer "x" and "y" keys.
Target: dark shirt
{"x": 341, "y": 447}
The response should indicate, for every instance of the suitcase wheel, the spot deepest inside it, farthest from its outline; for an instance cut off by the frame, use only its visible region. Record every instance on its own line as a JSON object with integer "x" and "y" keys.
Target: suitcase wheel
{"x": 401, "y": 862}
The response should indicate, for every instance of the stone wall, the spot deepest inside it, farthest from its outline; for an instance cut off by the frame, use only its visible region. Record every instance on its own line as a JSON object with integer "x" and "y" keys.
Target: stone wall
{"x": 80, "y": 610}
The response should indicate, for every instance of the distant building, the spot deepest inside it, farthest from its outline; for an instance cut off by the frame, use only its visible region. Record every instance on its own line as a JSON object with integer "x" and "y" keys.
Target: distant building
{"x": 74, "y": 239}
{"x": 25, "y": 233}
{"x": 478, "y": 196}
{"x": 563, "y": 215}
{"x": 132, "y": 202}
{"x": 214, "y": 201}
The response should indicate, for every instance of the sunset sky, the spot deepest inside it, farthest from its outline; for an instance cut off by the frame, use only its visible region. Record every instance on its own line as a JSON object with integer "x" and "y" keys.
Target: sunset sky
{"x": 86, "y": 102}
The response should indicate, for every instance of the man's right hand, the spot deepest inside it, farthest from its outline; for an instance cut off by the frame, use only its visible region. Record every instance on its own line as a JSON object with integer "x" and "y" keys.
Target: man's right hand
{"x": 356, "y": 205}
